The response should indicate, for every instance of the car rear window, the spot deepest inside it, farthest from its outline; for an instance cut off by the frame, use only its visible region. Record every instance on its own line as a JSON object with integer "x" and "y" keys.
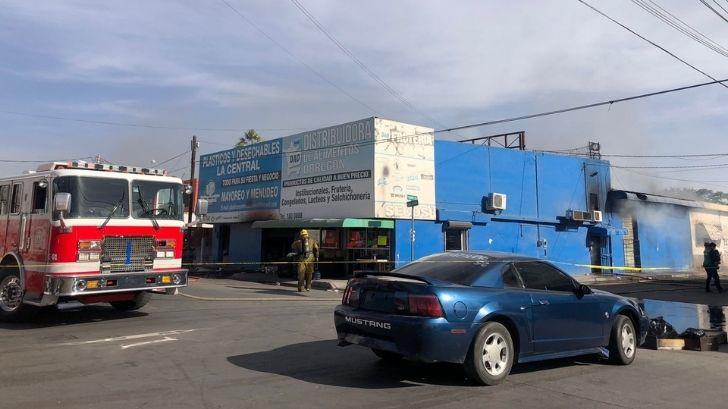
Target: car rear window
{"x": 461, "y": 269}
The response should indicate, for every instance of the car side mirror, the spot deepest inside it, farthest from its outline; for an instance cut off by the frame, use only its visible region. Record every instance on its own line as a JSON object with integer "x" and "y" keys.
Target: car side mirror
{"x": 62, "y": 202}
{"x": 201, "y": 207}
{"x": 581, "y": 290}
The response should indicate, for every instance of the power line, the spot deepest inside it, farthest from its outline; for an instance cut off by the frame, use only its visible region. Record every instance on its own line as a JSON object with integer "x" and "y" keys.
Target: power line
{"x": 714, "y": 182}
{"x": 298, "y": 60}
{"x": 529, "y": 116}
{"x": 172, "y": 158}
{"x": 618, "y": 155}
{"x": 135, "y": 125}
{"x": 650, "y": 41}
{"x": 587, "y": 106}
{"x": 721, "y": 7}
{"x": 717, "y": 165}
{"x": 42, "y": 161}
{"x": 706, "y": 4}
{"x": 679, "y": 25}
{"x": 391, "y": 91}
{"x": 523, "y": 117}
{"x": 689, "y": 155}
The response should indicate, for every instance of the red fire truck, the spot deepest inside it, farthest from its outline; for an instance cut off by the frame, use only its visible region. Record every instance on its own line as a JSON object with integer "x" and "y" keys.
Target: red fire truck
{"x": 91, "y": 233}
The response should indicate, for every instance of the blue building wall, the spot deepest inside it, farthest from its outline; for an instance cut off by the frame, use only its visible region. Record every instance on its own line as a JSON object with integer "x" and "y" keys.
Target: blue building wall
{"x": 663, "y": 233}
{"x": 245, "y": 244}
{"x": 540, "y": 188}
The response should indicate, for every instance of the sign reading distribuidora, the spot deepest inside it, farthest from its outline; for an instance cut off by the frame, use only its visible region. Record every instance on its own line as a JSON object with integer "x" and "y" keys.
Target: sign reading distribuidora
{"x": 329, "y": 172}
{"x": 360, "y": 169}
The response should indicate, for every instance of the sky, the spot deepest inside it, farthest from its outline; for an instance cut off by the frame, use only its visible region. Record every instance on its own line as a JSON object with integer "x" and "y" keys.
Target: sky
{"x": 178, "y": 68}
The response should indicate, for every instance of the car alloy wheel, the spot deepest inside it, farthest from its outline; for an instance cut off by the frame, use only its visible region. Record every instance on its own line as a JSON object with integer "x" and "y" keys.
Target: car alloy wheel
{"x": 11, "y": 293}
{"x": 623, "y": 341}
{"x": 491, "y": 354}
{"x": 495, "y": 354}
{"x": 628, "y": 340}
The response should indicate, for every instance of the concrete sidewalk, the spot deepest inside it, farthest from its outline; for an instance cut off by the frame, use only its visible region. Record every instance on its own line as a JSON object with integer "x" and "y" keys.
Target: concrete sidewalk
{"x": 682, "y": 287}
{"x": 274, "y": 279}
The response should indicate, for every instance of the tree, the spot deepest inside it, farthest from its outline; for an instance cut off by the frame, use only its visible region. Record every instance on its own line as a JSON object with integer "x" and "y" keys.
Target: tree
{"x": 249, "y": 137}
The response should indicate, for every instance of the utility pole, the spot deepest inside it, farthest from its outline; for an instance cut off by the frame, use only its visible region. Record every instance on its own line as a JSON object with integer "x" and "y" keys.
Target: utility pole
{"x": 193, "y": 147}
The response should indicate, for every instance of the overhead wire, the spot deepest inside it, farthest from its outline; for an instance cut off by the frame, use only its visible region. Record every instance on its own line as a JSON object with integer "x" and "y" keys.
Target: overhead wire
{"x": 717, "y": 165}
{"x": 717, "y": 13}
{"x": 586, "y": 106}
{"x": 576, "y": 108}
{"x": 534, "y": 115}
{"x": 172, "y": 158}
{"x": 721, "y": 7}
{"x": 528, "y": 116}
{"x": 711, "y": 182}
{"x": 678, "y": 24}
{"x": 670, "y": 53}
{"x": 132, "y": 124}
{"x": 42, "y": 161}
{"x": 295, "y": 58}
{"x": 389, "y": 89}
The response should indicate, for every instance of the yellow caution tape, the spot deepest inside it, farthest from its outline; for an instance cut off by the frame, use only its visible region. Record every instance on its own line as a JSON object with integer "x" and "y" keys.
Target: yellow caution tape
{"x": 344, "y": 262}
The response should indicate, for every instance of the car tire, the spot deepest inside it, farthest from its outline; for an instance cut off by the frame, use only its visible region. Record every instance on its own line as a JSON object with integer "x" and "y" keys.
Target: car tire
{"x": 491, "y": 355}
{"x": 387, "y": 356}
{"x": 623, "y": 341}
{"x": 139, "y": 301}
{"x": 12, "y": 308}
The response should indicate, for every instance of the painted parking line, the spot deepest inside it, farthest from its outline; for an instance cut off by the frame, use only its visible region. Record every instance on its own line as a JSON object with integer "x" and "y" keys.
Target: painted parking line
{"x": 129, "y": 337}
{"x": 156, "y": 341}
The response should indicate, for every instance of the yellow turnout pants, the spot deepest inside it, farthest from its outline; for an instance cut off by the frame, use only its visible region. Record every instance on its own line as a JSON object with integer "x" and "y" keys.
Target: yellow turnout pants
{"x": 305, "y": 272}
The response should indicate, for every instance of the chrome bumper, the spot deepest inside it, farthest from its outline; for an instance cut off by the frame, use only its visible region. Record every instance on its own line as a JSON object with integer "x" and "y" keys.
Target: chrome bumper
{"x": 71, "y": 285}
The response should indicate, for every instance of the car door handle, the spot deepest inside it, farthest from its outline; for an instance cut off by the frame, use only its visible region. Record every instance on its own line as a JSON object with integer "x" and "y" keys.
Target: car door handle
{"x": 543, "y": 302}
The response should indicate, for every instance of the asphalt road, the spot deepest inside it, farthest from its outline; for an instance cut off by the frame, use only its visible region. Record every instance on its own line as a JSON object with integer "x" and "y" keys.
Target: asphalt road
{"x": 275, "y": 348}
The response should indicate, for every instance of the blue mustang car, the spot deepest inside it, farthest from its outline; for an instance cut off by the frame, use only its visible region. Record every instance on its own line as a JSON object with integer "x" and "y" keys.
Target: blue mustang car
{"x": 486, "y": 311}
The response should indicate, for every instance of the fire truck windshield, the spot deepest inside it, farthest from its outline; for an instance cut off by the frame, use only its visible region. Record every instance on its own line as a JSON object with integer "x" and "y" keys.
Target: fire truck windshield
{"x": 94, "y": 197}
{"x": 156, "y": 200}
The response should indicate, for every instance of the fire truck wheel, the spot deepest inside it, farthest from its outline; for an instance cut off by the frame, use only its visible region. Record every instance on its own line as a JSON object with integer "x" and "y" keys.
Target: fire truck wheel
{"x": 140, "y": 300}
{"x": 11, "y": 296}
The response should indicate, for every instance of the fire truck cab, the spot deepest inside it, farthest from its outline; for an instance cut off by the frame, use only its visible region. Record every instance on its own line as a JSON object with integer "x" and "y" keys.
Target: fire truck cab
{"x": 91, "y": 233}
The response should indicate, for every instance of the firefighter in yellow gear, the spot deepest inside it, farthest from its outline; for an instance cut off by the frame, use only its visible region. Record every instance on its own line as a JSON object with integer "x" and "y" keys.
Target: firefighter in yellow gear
{"x": 307, "y": 253}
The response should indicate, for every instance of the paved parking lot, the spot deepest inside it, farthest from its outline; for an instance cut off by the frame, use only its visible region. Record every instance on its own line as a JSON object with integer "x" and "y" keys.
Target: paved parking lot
{"x": 271, "y": 347}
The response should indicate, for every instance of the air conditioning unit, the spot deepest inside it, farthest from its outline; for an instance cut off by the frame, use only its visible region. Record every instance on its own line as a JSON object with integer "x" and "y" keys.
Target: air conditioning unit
{"x": 596, "y": 216}
{"x": 578, "y": 215}
{"x": 496, "y": 201}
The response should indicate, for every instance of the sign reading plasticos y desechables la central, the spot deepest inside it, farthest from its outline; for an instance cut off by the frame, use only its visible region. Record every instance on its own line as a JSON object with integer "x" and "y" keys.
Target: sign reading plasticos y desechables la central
{"x": 360, "y": 169}
{"x": 242, "y": 183}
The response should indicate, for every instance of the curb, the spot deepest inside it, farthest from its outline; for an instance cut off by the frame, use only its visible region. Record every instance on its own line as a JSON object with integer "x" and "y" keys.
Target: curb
{"x": 195, "y": 297}
{"x": 325, "y": 285}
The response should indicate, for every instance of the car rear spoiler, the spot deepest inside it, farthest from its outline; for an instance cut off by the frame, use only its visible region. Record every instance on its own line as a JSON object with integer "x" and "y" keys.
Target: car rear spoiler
{"x": 410, "y": 277}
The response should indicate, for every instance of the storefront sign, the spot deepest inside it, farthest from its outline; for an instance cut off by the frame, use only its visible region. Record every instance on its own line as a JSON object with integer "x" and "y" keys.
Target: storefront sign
{"x": 404, "y": 167}
{"x": 328, "y": 172}
{"x": 360, "y": 169}
{"x": 242, "y": 183}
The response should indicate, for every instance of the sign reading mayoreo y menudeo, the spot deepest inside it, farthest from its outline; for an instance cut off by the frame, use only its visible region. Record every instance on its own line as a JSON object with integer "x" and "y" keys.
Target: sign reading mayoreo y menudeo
{"x": 361, "y": 169}
{"x": 242, "y": 183}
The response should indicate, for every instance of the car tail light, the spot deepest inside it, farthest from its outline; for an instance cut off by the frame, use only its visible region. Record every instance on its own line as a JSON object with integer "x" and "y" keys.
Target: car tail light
{"x": 351, "y": 296}
{"x": 425, "y": 305}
